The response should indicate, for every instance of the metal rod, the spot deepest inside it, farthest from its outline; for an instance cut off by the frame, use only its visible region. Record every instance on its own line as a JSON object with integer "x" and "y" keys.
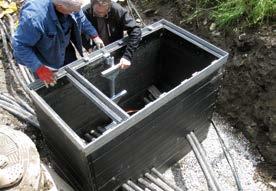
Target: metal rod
{"x": 113, "y": 69}
{"x": 127, "y": 187}
{"x": 147, "y": 184}
{"x": 12, "y": 63}
{"x": 5, "y": 45}
{"x": 118, "y": 96}
{"x": 94, "y": 99}
{"x": 134, "y": 186}
{"x": 158, "y": 182}
{"x": 201, "y": 151}
{"x": 229, "y": 158}
{"x": 22, "y": 104}
{"x": 24, "y": 74}
{"x": 25, "y": 105}
{"x": 110, "y": 126}
{"x": 97, "y": 93}
{"x": 20, "y": 109}
{"x": 6, "y": 30}
{"x": 111, "y": 74}
{"x": 17, "y": 101}
{"x": 12, "y": 28}
{"x": 30, "y": 76}
{"x": 202, "y": 164}
{"x": 159, "y": 175}
{"x": 19, "y": 113}
{"x": 7, "y": 99}
{"x": 112, "y": 80}
{"x": 11, "y": 24}
{"x": 9, "y": 96}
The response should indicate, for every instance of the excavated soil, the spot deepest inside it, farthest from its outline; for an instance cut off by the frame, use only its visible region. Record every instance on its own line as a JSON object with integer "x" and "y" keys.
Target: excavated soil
{"x": 247, "y": 99}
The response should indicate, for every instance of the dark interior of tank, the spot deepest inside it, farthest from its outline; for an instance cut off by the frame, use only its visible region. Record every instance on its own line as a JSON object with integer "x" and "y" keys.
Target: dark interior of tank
{"x": 161, "y": 62}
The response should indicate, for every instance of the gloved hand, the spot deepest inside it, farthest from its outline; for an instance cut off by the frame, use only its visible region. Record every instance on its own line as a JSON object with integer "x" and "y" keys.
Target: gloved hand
{"x": 124, "y": 63}
{"x": 46, "y": 75}
{"x": 98, "y": 41}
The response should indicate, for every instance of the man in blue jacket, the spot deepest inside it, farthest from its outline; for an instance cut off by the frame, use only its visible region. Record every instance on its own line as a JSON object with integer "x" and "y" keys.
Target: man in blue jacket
{"x": 47, "y": 29}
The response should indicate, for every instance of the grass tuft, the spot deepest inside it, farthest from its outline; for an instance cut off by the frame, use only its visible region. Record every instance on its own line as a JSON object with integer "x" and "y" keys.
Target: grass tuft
{"x": 237, "y": 12}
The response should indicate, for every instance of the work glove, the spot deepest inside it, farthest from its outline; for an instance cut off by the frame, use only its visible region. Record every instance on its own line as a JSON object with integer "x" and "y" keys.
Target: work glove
{"x": 46, "y": 76}
{"x": 98, "y": 41}
{"x": 124, "y": 63}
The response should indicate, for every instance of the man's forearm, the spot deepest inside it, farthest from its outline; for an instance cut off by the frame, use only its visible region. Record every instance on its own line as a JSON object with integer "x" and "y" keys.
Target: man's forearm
{"x": 133, "y": 42}
{"x": 87, "y": 28}
{"x": 25, "y": 55}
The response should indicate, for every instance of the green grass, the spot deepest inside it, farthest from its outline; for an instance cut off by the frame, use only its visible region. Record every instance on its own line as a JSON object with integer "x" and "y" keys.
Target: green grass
{"x": 263, "y": 8}
{"x": 229, "y": 12}
{"x": 237, "y": 12}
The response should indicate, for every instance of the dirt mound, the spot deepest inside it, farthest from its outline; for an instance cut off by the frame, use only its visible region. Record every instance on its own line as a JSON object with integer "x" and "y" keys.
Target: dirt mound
{"x": 248, "y": 95}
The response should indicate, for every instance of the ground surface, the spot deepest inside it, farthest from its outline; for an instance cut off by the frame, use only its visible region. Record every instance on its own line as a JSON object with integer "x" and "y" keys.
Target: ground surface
{"x": 187, "y": 173}
{"x": 248, "y": 94}
{"x": 247, "y": 98}
{"x": 250, "y": 88}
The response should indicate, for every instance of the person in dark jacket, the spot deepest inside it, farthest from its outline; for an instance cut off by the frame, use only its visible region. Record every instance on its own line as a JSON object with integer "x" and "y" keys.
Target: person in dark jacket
{"x": 111, "y": 20}
{"x": 42, "y": 40}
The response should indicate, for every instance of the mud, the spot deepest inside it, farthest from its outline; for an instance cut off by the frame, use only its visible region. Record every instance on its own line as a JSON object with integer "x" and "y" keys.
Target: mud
{"x": 248, "y": 95}
{"x": 247, "y": 99}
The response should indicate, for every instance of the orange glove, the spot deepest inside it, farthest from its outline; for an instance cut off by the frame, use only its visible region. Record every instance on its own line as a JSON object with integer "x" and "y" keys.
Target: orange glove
{"x": 46, "y": 75}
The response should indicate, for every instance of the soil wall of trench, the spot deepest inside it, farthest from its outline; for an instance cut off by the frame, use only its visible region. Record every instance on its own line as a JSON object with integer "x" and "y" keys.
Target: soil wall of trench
{"x": 247, "y": 98}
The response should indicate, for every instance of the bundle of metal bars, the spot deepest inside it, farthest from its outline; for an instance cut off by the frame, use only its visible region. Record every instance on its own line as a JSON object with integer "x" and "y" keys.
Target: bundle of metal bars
{"x": 153, "y": 181}
{"x": 12, "y": 102}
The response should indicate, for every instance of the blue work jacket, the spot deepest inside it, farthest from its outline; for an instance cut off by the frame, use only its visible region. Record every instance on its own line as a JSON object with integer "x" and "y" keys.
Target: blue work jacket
{"x": 39, "y": 38}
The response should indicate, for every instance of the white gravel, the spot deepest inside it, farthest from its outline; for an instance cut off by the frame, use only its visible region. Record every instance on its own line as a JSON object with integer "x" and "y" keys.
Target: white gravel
{"x": 187, "y": 173}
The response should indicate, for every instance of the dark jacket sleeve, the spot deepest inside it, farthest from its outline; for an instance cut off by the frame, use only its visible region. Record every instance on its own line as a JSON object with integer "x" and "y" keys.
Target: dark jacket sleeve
{"x": 134, "y": 33}
{"x": 86, "y": 41}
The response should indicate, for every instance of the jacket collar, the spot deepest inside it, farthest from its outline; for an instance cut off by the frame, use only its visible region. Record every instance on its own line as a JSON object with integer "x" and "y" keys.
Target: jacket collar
{"x": 53, "y": 13}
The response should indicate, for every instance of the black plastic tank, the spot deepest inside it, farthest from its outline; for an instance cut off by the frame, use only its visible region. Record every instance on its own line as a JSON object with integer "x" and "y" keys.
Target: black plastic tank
{"x": 105, "y": 126}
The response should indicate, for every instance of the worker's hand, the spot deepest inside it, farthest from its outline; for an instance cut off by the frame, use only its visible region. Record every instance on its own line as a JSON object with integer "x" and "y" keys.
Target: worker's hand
{"x": 46, "y": 75}
{"x": 124, "y": 63}
{"x": 98, "y": 41}
{"x": 90, "y": 50}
